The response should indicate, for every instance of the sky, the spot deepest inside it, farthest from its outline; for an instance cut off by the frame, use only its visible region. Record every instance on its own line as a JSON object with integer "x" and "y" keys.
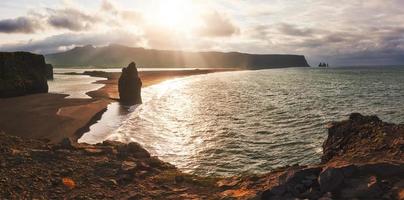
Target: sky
{"x": 344, "y": 32}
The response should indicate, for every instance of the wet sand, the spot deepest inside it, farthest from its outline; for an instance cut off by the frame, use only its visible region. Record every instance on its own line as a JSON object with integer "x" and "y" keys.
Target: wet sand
{"x": 52, "y": 117}
{"x": 47, "y": 116}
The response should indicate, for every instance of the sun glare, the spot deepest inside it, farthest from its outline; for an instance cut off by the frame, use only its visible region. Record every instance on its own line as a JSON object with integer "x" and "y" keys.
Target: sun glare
{"x": 181, "y": 15}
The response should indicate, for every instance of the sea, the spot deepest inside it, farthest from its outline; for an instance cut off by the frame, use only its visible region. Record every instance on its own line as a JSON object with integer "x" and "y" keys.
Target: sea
{"x": 229, "y": 123}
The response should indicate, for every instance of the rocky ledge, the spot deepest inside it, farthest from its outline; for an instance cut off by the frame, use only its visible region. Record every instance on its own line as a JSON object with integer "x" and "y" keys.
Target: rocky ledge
{"x": 363, "y": 159}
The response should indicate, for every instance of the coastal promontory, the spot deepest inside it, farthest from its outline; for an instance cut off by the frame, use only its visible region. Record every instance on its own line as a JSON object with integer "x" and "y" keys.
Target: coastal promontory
{"x": 119, "y": 55}
{"x": 23, "y": 73}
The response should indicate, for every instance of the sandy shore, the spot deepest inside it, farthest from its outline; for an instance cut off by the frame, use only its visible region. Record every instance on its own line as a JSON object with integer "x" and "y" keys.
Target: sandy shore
{"x": 52, "y": 117}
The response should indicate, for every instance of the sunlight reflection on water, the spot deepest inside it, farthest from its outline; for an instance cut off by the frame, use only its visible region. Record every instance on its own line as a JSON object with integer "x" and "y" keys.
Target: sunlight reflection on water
{"x": 255, "y": 121}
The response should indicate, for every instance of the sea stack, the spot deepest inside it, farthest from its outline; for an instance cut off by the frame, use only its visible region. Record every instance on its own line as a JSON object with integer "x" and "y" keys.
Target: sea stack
{"x": 129, "y": 86}
{"x": 22, "y": 73}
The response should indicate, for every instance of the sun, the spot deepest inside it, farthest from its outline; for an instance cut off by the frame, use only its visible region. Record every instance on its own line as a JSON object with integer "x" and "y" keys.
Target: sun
{"x": 175, "y": 14}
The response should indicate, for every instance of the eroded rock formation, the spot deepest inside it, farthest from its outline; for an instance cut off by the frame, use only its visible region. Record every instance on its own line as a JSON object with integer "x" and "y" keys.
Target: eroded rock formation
{"x": 130, "y": 85}
{"x": 22, "y": 73}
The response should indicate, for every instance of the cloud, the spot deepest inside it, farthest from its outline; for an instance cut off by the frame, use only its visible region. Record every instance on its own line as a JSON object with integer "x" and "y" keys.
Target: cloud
{"x": 340, "y": 31}
{"x": 71, "y": 19}
{"x": 293, "y": 30}
{"x": 68, "y": 41}
{"x": 19, "y": 25}
{"x": 217, "y": 25}
{"x": 122, "y": 14}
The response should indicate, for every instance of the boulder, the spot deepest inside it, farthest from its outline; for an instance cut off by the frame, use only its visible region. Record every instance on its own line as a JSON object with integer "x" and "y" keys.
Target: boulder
{"x": 22, "y": 73}
{"x": 129, "y": 86}
{"x": 132, "y": 149}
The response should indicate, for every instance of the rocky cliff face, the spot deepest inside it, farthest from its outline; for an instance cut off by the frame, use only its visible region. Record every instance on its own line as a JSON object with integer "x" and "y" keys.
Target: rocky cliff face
{"x": 22, "y": 73}
{"x": 363, "y": 159}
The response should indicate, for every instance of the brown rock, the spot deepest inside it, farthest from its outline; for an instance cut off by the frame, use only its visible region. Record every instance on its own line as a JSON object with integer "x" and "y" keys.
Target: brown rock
{"x": 132, "y": 149}
{"x": 128, "y": 165}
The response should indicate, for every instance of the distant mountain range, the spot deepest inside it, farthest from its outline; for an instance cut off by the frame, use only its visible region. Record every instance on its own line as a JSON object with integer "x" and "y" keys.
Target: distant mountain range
{"x": 119, "y": 56}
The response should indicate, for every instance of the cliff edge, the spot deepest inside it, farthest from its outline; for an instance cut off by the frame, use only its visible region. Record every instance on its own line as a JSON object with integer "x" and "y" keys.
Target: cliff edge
{"x": 23, "y": 73}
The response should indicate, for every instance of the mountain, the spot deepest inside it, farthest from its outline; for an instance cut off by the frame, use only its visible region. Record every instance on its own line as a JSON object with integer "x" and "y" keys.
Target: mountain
{"x": 119, "y": 56}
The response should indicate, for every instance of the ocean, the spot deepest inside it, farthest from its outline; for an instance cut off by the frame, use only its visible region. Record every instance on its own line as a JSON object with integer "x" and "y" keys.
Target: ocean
{"x": 250, "y": 121}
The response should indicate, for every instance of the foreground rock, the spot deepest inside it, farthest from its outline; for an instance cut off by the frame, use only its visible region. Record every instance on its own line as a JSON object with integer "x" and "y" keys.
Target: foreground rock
{"x": 363, "y": 159}
{"x": 32, "y": 169}
{"x": 363, "y": 139}
{"x": 22, "y": 73}
{"x": 129, "y": 86}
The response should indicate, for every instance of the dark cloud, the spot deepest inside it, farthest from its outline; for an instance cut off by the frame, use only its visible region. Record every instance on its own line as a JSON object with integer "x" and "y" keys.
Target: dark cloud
{"x": 217, "y": 25}
{"x": 293, "y": 30}
{"x": 67, "y": 41}
{"x": 19, "y": 25}
{"x": 71, "y": 19}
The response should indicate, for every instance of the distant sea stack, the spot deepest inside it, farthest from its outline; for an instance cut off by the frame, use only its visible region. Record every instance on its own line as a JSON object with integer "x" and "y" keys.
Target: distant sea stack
{"x": 130, "y": 85}
{"x": 118, "y": 55}
{"x": 23, "y": 73}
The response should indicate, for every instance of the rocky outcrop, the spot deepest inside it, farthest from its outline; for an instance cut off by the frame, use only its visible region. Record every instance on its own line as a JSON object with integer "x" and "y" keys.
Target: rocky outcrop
{"x": 363, "y": 139}
{"x": 362, "y": 159}
{"x": 22, "y": 73}
{"x": 129, "y": 86}
{"x": 33, "y": 169}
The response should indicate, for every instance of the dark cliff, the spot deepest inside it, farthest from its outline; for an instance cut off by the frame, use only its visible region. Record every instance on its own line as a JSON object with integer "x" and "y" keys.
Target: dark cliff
{"x": 118, "y": 56}
{"x": 22, "y": 73}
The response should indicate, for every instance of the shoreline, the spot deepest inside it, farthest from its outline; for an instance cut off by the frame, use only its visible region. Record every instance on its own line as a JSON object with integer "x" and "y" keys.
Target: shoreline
{"x": 52, "y": 117}
{"x": 114, "y": 170}
{"x": 362, "y": 159}
{"x": 110, "y": 88}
